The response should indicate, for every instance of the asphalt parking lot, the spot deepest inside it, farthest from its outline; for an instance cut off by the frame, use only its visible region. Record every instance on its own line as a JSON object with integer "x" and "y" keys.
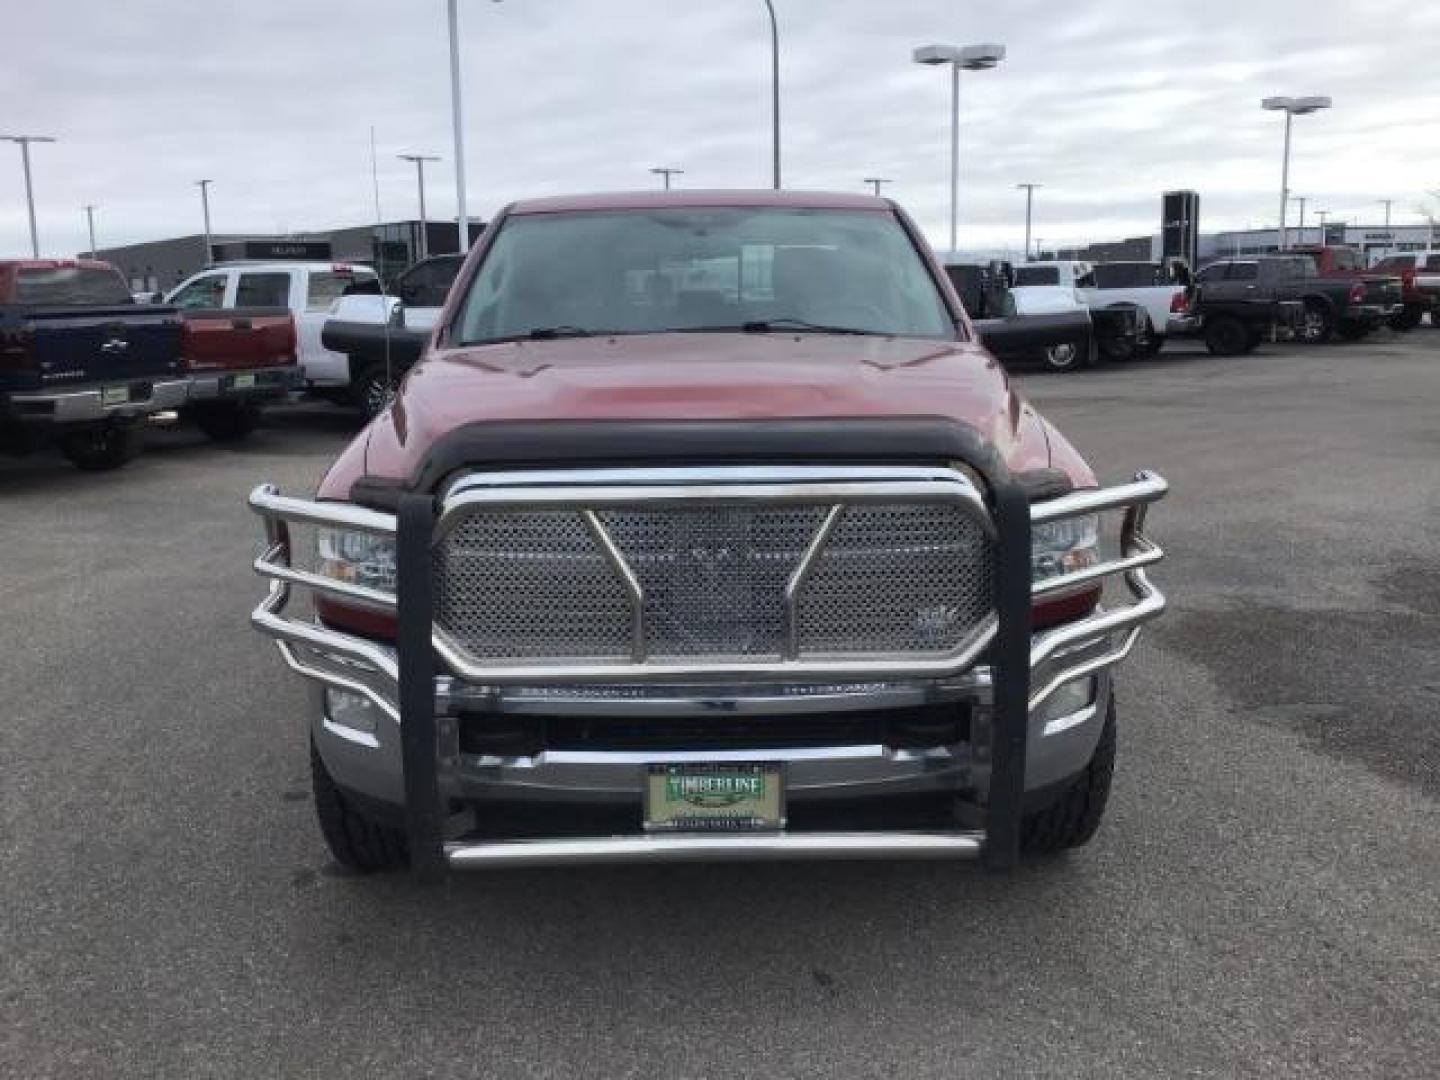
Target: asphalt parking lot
{"x": 1264, "y": 898}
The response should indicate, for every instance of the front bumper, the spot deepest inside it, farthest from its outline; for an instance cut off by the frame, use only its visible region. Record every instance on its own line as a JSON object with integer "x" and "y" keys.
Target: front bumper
{"x": 119, "y": 400}
{"x": 260, "y": 384}
{"x": 1034, "y": 703}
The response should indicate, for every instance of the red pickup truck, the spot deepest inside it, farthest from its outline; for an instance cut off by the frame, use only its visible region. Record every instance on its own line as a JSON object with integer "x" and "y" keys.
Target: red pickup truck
{"x": 1382, "y": 293}
{"x": 235, "y": 360}
{"x": 708, "y": 524}
{"x": 1419, "y": 273}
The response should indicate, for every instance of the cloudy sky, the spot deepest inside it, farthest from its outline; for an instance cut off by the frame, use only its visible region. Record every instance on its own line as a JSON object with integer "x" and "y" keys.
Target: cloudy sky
{"x": 1105, "y": 102}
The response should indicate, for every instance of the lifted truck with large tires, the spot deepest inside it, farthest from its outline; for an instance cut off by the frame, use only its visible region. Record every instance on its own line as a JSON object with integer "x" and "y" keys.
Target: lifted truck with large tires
{"x": 707, "y": 529}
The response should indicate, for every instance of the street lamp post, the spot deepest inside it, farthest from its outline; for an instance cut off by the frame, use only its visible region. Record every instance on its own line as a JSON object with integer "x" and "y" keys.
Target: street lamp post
{"x": 90, "y": 221}
{"x": 420, "y": 160}
{"x": 774, "y": 96}
{"x": 204, "y": 186}
{"x": 1029, "y": 205}
{"x": 25, "y": 141}
{"x": 1387, "y": 203}
{"x": 1302, "y": 200}
{"x": 666, "y": 173}
{"x": 876, "y": 182}
{"x": 970, "y": 58}
{"x": 457, "y": 122}
{"x": 1291, "y": 107}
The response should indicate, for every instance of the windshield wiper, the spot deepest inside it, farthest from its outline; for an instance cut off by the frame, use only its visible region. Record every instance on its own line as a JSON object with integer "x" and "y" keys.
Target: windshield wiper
{"x": 767, "y": 326}
{"x": 543, "y": 333}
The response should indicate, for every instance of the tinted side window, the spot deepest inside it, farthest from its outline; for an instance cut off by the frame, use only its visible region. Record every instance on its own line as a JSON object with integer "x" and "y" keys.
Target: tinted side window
{"x": 1433, "y": 262}
{"x": 1037, "y": 275}
{"x": 1211, "y": 274}
{"x": 1395, "y": 263}
{"x": 328, "y": 286}
{"x": 263, "y": 290}
{"x": 1346, "y": 259}
{"x": 70, "y": 286}
{"x": 1243, "y": 271}
{"x": 1125, "y": 275}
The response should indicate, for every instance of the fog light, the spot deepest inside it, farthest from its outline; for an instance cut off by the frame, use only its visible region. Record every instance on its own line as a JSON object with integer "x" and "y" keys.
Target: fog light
{"x": 1067, "y": 706}
{"x": 353, "y": 711}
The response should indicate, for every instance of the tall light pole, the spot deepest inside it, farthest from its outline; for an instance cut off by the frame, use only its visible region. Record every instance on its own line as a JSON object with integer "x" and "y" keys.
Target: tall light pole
{"x": 774, "y": 96}
{"x": 970, "y": 58}
{"x": 204, "y": 186}
{"x": 1387, "y": 203}
{"x": 1291, "y": 107}
{"x": 1302, "y": 200}
{"x": 876, "y": 182}
{"x": 420, "y": 160}
{"x": 1323, "y": 214}
{"x": 90, "y": 220}
{"x": 462, "y": 220}
{"x": 25, "y": 141}
{"x": 1029, "y": 190}
{"x": 666, "y": 173}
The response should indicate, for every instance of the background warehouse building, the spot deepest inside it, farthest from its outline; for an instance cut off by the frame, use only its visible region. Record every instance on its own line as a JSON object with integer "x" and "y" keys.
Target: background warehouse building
{"x": 159, "y": 265}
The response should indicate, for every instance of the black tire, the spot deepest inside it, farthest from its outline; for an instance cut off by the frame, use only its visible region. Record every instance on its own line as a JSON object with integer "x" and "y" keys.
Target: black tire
{"x": 1065, "y": 357}
{"x": 1352, "y": 331}
{"x": 1226, "y": 336}
{"x": 1152, "y": 347}
{"x": 356, "y": 842}
{"x": 1317, "y": 325}
{"x": 103, "y": 447}
{"x": 225, "y": 421}
{"x": 374, "y": 389}
{"x": 1072, "y": 819}
{"x": 1253, "y": 340}
{"x": 1407, "y": 318}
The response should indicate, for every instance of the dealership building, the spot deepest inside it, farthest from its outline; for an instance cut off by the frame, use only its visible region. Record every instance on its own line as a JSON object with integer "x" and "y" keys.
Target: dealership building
{"x": 1376, "y": 241}
{"x": 159, "y": 265}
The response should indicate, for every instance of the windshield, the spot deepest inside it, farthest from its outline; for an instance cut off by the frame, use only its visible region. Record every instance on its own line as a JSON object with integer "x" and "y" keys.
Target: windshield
{"x": 702, "y": 269}
{"x": 71, "y": 286}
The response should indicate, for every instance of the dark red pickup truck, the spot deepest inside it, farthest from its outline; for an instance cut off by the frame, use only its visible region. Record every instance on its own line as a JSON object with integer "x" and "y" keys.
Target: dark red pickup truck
{"x": 1419, "y": 273}
{"x": 236, "y": 359}
{"x": 1382, "y": 292}
{"x": 708, "y": 524}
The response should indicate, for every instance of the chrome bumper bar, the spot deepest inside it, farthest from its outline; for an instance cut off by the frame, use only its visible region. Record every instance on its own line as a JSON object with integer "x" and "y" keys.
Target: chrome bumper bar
{"x": 715, "y": 848}
{"x": 80, "y": 406}
{"x": 257, "y": 382}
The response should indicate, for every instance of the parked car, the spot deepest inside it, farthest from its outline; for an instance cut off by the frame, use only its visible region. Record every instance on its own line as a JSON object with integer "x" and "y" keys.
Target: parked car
{"x": 80, "y": 362}
{"x": 1045, "y": 323}
{"x": 307, "y": 289}
{"x": 1381, "y": 302}
{"x": 383, "y": 334}
{"x": 1327, "y": 304}
{"x": 1130, "y": 321}
{"x": 705, "y": 516}
{"x": 1419, "y": 274}
{"x": 235, "y": 361}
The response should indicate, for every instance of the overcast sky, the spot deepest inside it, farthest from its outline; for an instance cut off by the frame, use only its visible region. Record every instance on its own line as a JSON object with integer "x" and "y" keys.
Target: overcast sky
{"x": 1105, "y": 102}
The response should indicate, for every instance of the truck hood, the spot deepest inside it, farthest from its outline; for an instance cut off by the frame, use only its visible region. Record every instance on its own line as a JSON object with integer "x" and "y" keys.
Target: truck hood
{"x": 704, "y": 376}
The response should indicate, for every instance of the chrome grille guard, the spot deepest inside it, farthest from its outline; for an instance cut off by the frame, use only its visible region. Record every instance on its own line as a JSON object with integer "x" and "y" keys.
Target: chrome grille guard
{"x": 1022, "y": 669}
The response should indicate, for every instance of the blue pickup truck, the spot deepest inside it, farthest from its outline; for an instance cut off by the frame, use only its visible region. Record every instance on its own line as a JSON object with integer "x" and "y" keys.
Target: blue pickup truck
{"x": 80, "y": 362}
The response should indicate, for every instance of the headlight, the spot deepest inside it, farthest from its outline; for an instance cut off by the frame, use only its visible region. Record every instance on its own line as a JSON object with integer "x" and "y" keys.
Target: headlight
{"x": 1062, "y": 547}
{"x": 357, "y": 558}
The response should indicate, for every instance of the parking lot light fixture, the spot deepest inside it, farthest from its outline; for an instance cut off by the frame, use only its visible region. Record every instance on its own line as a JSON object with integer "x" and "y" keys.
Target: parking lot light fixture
{"x": 665, "y": 173}
{"x": 1291, "y": 107}
{"x": 90, "y": 221}
{"x": 1029, "y": 190}
{"x": 204, "y": 186}
{"x": 420, "y": 160}
{"x": 24, "y": 141}
{"x": 968, "y": 58}
{"x": 876, "y": 182}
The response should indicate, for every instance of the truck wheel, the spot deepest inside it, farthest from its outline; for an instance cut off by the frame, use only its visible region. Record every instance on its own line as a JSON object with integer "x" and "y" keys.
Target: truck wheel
{"x": 103, "y": 447}
{"x": 1407, "y": 318}
{"x": 1072, "y": 819}
{"x": 1226, "y": 336}
{"x": 1153, "y": 344}
{"x": 1064, "y": 357}
{"x": 374, "y": 389}
{"x": 1353, "y": 331}
{"x": 1317, "y": 324}
{"x": 226, "y": 421}
{"x": 355, "y": 841}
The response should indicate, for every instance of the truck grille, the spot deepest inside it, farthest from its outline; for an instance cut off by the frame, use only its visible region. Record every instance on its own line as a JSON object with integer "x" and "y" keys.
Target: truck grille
{"x": 708, "y": 581}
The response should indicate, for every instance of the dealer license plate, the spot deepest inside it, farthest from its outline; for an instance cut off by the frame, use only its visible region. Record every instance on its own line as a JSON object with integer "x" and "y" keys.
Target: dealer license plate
{"x": 114, "y": 395}
{"x": 714, "y": 798}
{"x": 243, "y": 382}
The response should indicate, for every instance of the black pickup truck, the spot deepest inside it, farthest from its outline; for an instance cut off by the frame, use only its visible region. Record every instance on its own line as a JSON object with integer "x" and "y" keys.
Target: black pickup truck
{"x": 1327, "y": 304}
{"x": 80, "y": 362}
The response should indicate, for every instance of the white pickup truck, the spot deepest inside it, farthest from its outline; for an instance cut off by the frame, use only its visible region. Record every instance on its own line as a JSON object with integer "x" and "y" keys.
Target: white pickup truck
{"x": 1159, "y": 290}
{"x": 308, "y": 289}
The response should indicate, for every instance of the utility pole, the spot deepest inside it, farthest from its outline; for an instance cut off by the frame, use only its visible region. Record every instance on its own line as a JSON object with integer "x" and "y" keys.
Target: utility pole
{"x": 876, "y": 182}
{"x": 1029, "y": 205}
{"x": 25, "y": 141}
{"x": 665, "y": 173}
{"x": 90, "y": 220}
{"x": 204, "y": 186}
{"x": 420, "y": 160}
